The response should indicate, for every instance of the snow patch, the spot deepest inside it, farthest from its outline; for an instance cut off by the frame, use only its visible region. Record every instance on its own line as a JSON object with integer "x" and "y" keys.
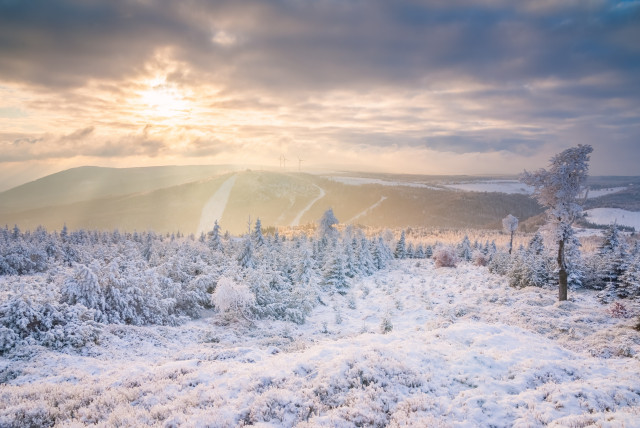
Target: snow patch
{"x": 613, "y": 215}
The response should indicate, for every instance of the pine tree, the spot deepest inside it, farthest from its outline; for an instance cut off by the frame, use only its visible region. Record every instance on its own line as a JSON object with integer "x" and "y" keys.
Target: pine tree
{"x": 464, "y": 249}
{"x": 335, "y": 275}
{"x": 246, "y": 259}
{"x": 257, "y": 234}
{"x": 326, "y": 227}
{"x": 215, "y": 242}
{"x": 629, "y": 286}
{"x": 420, "y": 252}
{"x": 401, "y": 251}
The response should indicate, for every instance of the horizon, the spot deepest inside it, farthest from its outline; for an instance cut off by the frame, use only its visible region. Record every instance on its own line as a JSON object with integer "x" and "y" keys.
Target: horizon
{"x": 427, "y": 88}
{"x": 316, "y": 171}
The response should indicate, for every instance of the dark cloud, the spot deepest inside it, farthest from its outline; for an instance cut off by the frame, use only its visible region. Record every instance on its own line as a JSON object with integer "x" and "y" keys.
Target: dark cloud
{"x": 484, "y": 144}
{"x": 316, "y": 44}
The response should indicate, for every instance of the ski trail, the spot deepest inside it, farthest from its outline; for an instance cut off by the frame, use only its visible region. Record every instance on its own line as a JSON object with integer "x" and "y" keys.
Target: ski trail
{"x": 214, "y": 208}
{"x": 357, "y": 216}
{"x": 296, "y": 221}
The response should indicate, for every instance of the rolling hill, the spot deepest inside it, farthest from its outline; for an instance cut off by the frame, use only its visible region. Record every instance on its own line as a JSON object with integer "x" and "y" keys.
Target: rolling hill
{"x": 190, "y": 199}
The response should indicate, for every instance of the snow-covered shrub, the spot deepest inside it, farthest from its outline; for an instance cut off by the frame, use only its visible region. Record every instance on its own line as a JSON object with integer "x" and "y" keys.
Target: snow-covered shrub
{"x": 52, "y": 325}
{"x": 232, "y": 298}
{"x": 279, "y": 298}
{"x": 445, "y": 257}
{"x": 528, "y": 270}
{"x": 479, "y": 258}
{"x": 385, "y": 325}
{"x": 500, "y": 263}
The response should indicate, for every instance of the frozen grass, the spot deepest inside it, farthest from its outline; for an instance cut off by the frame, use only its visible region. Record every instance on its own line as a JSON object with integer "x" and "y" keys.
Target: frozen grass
{"x": 464, "y": 350}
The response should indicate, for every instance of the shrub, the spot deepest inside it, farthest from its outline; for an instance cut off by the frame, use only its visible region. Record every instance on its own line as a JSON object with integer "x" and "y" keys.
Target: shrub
{"x": 480, "y": 259}
{"x": 618, "y": 310}
{"x": 445, "y": 257}
{"x": 232, "y": 298}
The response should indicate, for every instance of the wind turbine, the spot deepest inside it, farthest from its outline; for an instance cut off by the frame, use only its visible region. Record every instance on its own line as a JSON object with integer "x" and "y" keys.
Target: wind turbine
{"x": 284, "y": 162}
{"x": 300, "y": 163}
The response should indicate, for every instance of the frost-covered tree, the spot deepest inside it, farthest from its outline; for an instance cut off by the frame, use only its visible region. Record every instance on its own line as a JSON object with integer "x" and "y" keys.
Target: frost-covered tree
{"x": 326, "y": 227}
{"x": 215, "y": 241}
{"x": 401, "y": 250}
{"x": 335, "y": 274}
{"x": 258, "y": 237}
{"x": 464, "y": 249}
{"x": 419, "y": 254}
{"x": 234, "y": 299}
{"x": 246, "y": 259}
{"x": 510, "y": 225}
{"x": 613, "y": 263}
{"x": 629, "y": 286}
{"x": 558, "y": 189}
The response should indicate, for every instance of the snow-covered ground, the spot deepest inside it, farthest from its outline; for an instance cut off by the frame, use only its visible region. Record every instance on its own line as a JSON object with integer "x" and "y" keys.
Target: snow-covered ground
{"x": 594, "y": 193}
{"x": 463, "y": 349}
{"x": 214, "y": 208}
{"x": 367, "y": 210}
{"x": 296, "y": 221}
{"x": 614, "y": 215}
{"x": 500, "y": 186}
{"x": 359, "y": 181}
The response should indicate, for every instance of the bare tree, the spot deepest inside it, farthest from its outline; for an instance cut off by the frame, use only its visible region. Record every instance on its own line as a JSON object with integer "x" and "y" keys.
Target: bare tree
{"x": 510, "y": 225}
{"x": 558, "y": 189}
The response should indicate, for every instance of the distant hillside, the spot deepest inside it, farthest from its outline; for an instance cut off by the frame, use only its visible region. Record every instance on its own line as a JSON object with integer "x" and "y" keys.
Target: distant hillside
{"x": 90, "y": 182}
{"x": 190, "y": 199}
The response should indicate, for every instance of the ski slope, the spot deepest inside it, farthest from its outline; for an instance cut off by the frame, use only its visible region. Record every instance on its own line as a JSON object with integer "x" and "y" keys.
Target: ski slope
{"x": 215, "y": 206}
{"x": 296, "y": 220}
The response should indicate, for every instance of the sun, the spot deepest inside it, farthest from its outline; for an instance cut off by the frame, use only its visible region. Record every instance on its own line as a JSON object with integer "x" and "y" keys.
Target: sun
{"x": 162, "y": 101}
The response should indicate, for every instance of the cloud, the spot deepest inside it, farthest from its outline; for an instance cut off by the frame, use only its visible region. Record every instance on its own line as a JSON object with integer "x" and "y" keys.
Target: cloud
{"x": 459, "y": 76}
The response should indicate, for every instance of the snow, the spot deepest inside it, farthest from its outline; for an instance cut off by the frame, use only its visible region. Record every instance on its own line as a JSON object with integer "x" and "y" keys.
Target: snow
{"x": 614, "y": 215}
{"x": 214, "y": 208}
{"x": 367, "y": 210}
{"x": 359, "y": 181}
{"x": 594, "y": 193}
{"x": 296, "y": 221}
{"x": 464, "y": 350}
{"x": 500, "y": 186}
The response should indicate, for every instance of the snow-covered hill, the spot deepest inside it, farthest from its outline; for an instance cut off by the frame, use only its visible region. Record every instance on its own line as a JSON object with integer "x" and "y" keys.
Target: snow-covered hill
{"x": 461, "y": 349}
{"x": 618, "y": 216}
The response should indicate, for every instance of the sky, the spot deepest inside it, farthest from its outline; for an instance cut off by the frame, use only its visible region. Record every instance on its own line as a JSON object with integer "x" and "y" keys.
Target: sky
{"x": 408, "y": 86}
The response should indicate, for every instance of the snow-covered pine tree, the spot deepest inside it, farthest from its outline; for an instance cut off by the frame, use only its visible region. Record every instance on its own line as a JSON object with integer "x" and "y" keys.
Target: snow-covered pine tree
{"x": 215, "y": 241}
{"x": 246, "y": 258}
{"x": 401, "y": 251}
{"x": 613, "y": 263}
{"x": 464, "y": 249}
{"x": 629, "y": 286}
{"x": 428, "y": 251}
{"x": 335, "y": 275}
{"x": 367, "y": 264}
{"x": 420, "y": 254}
{"x": 411, "y": 253}
{"x": 326, "y": 226}
{"x": 258, "y": 237}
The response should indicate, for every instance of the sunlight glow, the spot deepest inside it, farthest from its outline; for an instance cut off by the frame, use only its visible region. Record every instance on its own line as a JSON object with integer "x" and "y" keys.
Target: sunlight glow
{"x": 163, "y": 101}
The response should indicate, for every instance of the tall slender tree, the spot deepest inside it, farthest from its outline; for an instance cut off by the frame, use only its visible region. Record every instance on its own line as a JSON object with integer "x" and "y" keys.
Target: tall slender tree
{"x": 559, "y": 189}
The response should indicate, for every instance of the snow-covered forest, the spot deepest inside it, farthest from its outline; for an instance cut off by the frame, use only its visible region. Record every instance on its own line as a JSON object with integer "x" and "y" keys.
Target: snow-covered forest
{"x": 335, "y": 326}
